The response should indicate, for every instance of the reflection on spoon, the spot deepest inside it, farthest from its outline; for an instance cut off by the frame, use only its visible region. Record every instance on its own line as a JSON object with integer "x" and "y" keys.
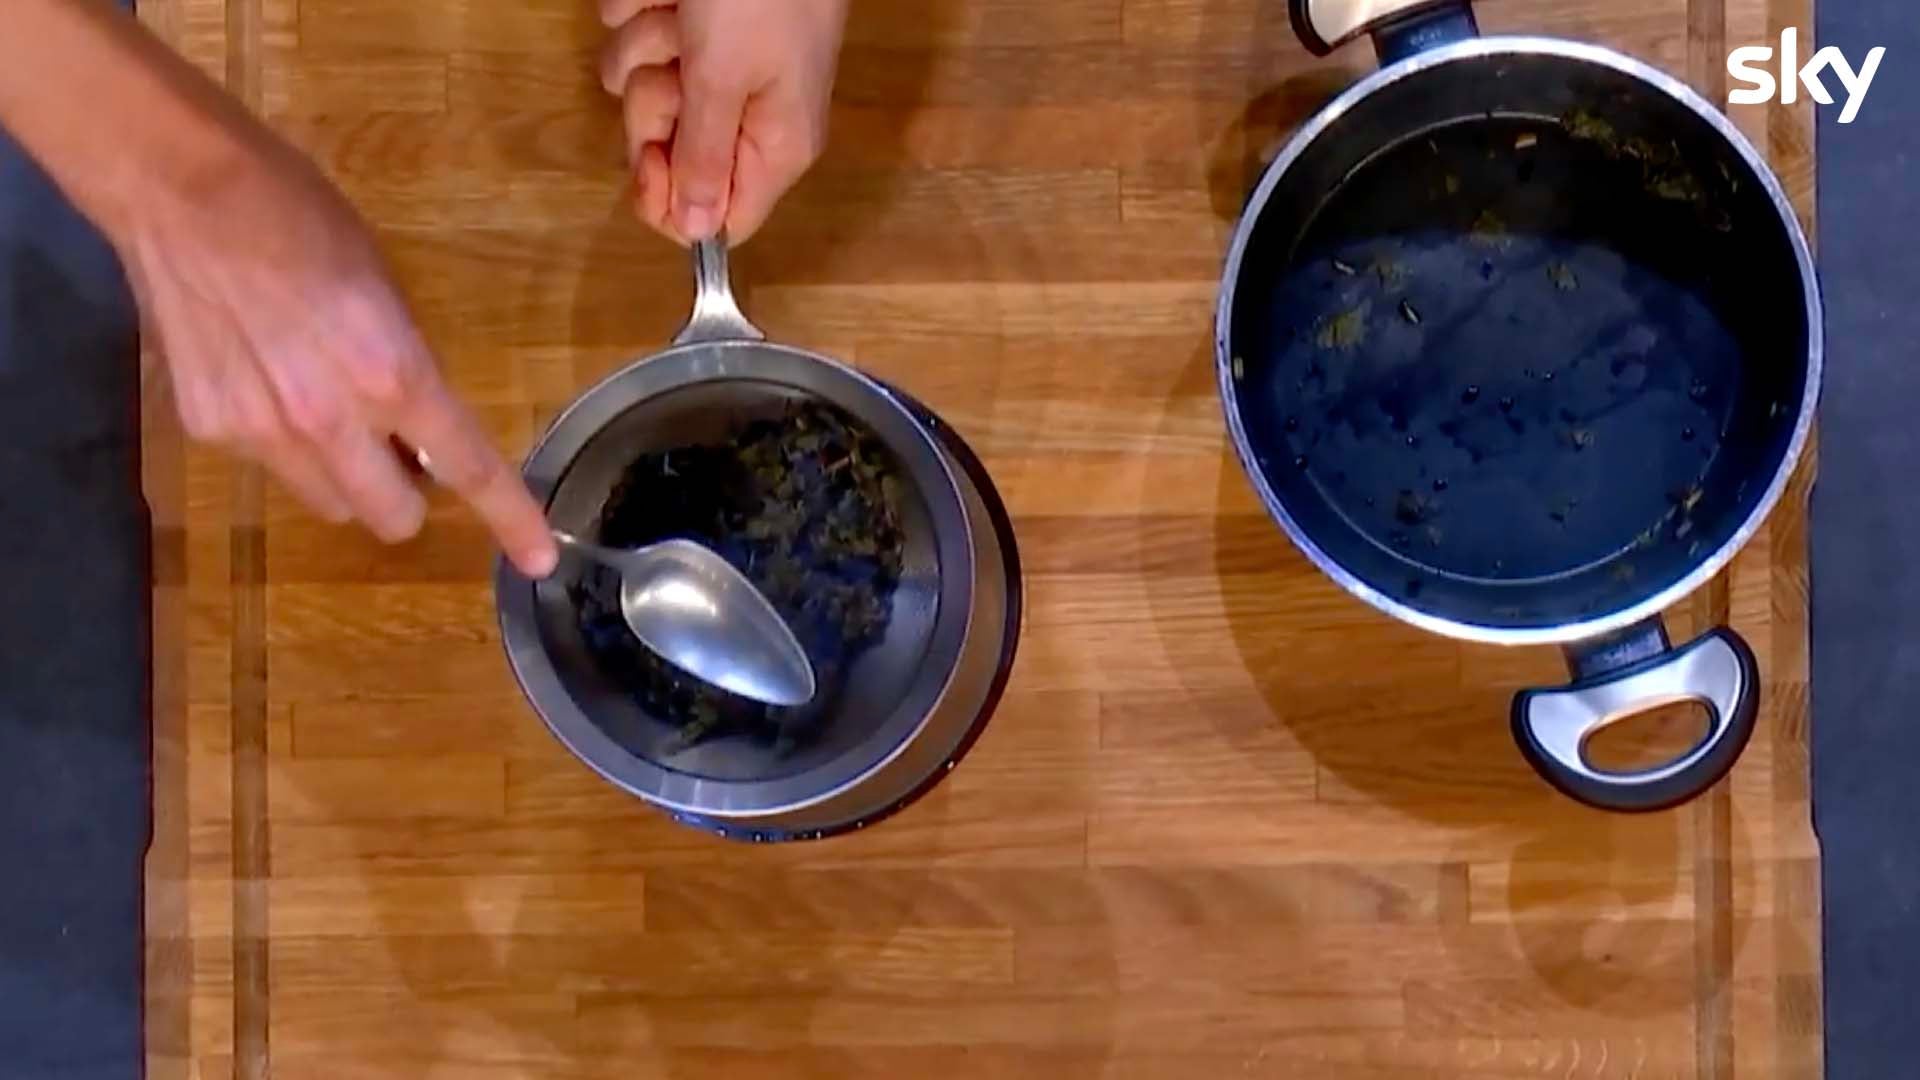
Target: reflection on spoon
{"x": 701, "y": 615}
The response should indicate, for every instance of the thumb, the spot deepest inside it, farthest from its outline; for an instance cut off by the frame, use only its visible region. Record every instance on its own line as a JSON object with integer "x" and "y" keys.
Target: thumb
{"x": 703, "y": 151}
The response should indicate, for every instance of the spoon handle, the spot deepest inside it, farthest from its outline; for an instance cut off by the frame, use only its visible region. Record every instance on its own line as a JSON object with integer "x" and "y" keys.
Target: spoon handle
{"x": 597, "y": 554}
{"x": 590, "y": 551}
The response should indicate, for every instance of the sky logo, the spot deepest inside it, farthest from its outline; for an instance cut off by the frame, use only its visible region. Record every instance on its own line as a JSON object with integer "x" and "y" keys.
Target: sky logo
{"x": 1745, "y": 65}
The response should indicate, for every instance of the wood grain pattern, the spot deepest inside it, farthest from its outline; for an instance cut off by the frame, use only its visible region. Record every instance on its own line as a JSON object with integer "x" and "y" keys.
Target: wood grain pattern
{"x": 1227, "y": 822}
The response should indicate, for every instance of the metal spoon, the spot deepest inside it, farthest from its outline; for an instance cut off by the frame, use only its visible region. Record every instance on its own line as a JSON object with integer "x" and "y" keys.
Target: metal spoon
{"x": 696, "y": 611}
{"x": 701, "y": 615}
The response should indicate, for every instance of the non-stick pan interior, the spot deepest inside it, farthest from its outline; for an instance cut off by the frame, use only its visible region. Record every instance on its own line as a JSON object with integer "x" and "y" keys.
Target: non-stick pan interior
{"x": 883, "y": 695}
{"x": 1520, "y": 340}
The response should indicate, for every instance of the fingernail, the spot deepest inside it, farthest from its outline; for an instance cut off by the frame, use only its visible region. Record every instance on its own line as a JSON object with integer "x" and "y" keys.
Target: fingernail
{"x": 698, "y": 221}
{"x": 540, "y": 564}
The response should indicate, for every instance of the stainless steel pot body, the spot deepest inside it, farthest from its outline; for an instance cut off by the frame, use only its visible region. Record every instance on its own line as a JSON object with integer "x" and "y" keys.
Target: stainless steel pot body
{"x": 910, "y": 705}
{"x": 1438, "y": 73}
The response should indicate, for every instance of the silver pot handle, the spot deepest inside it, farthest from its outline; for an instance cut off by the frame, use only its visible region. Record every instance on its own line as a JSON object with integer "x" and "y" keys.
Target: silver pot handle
{"x": 716, "y": 314}
{"x": 1630, "y": 674}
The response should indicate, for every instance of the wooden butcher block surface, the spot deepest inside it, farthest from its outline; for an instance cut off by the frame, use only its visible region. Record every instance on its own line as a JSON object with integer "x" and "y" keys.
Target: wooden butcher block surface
{"x": 1227, "y": 820}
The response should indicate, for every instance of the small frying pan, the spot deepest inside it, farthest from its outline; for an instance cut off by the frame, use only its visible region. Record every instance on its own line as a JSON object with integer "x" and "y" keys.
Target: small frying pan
{"x": 1519, "y": 341}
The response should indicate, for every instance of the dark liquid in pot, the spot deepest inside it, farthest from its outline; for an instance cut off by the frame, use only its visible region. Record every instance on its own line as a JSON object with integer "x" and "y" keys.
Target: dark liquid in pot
{"x": 808, "y": 508}
{"x": 1499, "y": 349}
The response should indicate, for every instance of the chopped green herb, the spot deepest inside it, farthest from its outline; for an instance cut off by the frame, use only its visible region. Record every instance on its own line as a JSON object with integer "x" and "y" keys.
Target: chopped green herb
{"x": 1676, "y": 186}
{"x": 1489, "y": 231}
{"x": 1582, "y": 124}
{"x": 808, "y": 506}
{"x": 1345, "y": 330}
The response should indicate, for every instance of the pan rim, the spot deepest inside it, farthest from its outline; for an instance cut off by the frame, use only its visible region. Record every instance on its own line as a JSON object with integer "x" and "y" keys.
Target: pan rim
{"x": 730, "y": 801}
{"x": 1706, "y": 568}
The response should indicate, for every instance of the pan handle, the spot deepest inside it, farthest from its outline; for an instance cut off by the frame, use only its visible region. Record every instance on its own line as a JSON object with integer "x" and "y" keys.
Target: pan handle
{"x": 1629, "y": 673}
{"x": 1400, "y": 28}
{"x": 716, "y": 314}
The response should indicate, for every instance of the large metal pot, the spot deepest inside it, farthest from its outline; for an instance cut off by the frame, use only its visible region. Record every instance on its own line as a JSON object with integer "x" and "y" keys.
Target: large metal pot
{"x": 1497, "y": 393}
{"x": 910, "y": 706}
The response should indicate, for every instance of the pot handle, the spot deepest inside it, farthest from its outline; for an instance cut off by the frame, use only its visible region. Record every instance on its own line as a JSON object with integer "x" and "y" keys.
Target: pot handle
{"x": 1400, "y": 28}
{"x": 1629, "y": 673}
{"x": 716, "y": 314}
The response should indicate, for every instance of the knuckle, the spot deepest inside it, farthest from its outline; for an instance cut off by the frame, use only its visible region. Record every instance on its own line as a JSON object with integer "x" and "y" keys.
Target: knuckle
{"x": 318, "y": 420}
{"x": 645, "y": 129}
{"x": 636, "y": 45}
{"x": 610, "y": 68}
{"x": 389, "y": 383}
{"x": 806, "y": 148}
{"x": 202, "y": 428}
{"x": 795, "y": 149}
{"x": 650, "y": 36}
{"x": 397, "y": 523}
{"x": 706, "y": 80}
{"x": 648, "y": 116}
{"x": 818, "y": 134}
{"x": 254, "y": 427}
{"x": 200, "y": 424}
{"x": 785, "y": 166}
{"x": 653, "y": 89}
{"x": 390, "y": 529}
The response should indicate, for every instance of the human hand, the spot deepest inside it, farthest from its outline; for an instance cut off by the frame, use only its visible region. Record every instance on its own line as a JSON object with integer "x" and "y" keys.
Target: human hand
{"x": 258, "y": 284}
{"x": 287, "y": 342}
{"x": 725, "y": 104}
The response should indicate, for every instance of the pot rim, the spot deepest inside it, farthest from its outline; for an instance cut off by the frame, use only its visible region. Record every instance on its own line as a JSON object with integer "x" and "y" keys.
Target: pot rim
{"x": 1413, "y": 66}
{"x": 681, "y": 793}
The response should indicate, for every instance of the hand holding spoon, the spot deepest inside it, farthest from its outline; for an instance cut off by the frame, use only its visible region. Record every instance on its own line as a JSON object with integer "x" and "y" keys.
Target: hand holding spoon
{"x": 690, "y": 606}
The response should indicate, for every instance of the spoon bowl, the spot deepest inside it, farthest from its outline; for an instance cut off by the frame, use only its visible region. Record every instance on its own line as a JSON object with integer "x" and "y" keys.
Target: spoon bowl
{"x": 689, "y": 605}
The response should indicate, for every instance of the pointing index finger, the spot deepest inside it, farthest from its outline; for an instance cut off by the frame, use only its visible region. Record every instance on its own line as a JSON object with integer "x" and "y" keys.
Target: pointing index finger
{"x": 447, "y": 434}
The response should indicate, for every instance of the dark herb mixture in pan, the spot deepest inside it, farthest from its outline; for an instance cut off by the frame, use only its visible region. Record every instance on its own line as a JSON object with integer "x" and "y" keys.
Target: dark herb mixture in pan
{"x": 808, "y": 507}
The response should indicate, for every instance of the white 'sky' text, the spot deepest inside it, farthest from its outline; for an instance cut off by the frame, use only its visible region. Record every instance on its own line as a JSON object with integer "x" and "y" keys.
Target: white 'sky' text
{"x": 1745, "y": 64}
